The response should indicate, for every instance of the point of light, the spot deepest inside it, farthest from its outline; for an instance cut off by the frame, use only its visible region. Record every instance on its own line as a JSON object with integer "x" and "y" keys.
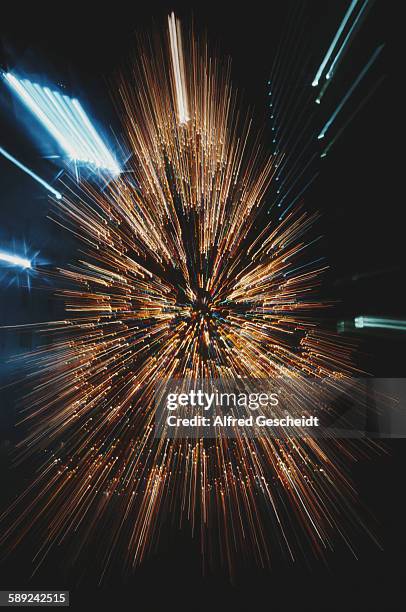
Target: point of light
{"x": 67, "y": 122}
{"x": 32, "y": 174}
{"x": 15, "y": 260}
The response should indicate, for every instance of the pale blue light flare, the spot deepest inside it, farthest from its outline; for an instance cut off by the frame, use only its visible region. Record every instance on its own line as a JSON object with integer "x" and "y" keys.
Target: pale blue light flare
{"x": 380, "y": 323}
{"x": 15, "y": 260}
{"x": 334, "y": 42}
{"x": 67, "y": 122}
{"x": 30, "y": 173}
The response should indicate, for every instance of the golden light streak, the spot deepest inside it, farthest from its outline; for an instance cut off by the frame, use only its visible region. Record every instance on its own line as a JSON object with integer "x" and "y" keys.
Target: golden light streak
{"x": 181, "y": 274}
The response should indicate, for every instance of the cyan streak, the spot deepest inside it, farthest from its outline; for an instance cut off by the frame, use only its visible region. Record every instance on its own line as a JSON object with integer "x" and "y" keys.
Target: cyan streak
{"x": 30, "y": 173}
{"x": 351, "y": 89}
{"x": 334, "y": 42}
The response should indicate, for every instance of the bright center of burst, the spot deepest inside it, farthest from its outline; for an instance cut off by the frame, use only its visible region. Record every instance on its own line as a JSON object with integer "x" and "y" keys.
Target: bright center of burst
{"x": 202, "y": 306}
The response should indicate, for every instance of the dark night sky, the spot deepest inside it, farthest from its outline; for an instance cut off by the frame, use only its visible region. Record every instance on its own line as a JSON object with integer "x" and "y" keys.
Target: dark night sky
{"x": 356, "y": 192}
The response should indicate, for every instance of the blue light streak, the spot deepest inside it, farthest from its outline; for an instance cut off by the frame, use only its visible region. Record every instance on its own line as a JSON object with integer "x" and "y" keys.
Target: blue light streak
{"x": 380, "y": 323}
{"x": 67, "y": 122}
{"x": 334, "y": 42}
{"x": 349, "y": 92}
{"x": 330, "y": 72}
{"x": 30, "y": 173}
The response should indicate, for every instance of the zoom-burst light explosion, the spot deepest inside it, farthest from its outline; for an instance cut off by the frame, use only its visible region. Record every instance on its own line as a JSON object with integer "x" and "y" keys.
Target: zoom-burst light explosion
{"x": 182, "y": 274}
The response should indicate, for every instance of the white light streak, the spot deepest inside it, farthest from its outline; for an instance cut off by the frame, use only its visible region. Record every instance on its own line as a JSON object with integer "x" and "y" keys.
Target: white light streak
{"x": 15, "y": 260}
{"x": 178, "y": 67}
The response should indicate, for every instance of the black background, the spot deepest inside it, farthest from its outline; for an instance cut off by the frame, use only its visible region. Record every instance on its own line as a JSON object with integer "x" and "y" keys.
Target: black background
{"x": 81, "y": 47}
